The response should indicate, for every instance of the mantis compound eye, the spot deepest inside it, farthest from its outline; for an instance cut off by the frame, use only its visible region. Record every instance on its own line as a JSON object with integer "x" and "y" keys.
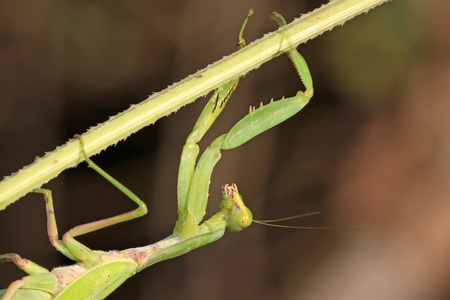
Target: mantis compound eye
{"x": 241, "y": 217}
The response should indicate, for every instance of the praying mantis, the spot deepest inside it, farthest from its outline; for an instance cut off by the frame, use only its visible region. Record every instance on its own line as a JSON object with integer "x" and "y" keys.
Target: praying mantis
{"x": 97, "y": 273}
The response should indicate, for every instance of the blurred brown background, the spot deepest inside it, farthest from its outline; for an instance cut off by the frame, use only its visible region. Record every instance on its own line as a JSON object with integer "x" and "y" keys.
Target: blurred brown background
{"x": 371, "y": 150}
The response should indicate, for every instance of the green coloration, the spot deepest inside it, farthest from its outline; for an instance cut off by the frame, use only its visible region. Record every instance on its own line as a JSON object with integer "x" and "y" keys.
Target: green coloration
{"x": 97, "y": 273}
{"x": 241, "y": 217}
{"x": 213, "y": 108}
{"x": 161, "y": 104}
{"x": 256, "y": 122}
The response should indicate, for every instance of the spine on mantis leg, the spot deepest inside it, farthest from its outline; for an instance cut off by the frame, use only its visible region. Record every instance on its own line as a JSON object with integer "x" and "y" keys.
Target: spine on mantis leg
{"x": 272, "y": 114}
{"x": 297, "y": 60}
{"x": 262, "y": 119}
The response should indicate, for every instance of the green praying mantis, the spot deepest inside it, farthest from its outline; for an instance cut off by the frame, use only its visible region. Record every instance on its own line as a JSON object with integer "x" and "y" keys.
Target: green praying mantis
{"x": 96, "y": 273}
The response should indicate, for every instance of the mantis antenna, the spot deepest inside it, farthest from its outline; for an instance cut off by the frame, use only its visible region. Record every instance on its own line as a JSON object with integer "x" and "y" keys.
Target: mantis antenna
{"x": 314, "y": 213}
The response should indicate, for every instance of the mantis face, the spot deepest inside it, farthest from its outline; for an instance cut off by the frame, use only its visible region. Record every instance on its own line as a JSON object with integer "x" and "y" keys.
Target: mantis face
{"x": 240, "y": 216}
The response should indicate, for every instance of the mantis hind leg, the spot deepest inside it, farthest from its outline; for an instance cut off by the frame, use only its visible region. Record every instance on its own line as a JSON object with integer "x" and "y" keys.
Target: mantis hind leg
{"x": 40, "y": 279}
{"x": 24, "y": 264}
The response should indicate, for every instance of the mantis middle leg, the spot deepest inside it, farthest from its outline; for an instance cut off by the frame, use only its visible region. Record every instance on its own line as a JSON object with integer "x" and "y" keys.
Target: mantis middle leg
{"x": 68, "y": 245}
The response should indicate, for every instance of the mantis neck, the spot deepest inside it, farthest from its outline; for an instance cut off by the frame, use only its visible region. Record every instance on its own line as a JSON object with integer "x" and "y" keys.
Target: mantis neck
{"x": 173, "y": 246}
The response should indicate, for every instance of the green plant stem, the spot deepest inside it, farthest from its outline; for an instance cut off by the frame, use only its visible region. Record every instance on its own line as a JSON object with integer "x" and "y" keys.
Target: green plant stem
{"x": 184, "y": 92}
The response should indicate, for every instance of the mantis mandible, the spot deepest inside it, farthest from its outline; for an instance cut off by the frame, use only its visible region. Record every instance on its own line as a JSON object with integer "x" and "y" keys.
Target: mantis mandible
{"x": 96, "y": 273}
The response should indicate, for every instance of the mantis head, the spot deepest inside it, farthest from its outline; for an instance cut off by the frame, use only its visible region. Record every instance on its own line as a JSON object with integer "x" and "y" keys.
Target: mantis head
{"x": 239, "y": 216}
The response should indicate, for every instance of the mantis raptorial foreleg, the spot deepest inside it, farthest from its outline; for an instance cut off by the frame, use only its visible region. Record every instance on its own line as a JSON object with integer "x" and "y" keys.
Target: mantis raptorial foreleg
{"x": 256, "y": 122}
{"x": 213, "y": 108}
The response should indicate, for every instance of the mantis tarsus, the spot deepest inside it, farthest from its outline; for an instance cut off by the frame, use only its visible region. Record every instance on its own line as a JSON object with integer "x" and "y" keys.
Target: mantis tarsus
{"x": 98, "y": 273}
